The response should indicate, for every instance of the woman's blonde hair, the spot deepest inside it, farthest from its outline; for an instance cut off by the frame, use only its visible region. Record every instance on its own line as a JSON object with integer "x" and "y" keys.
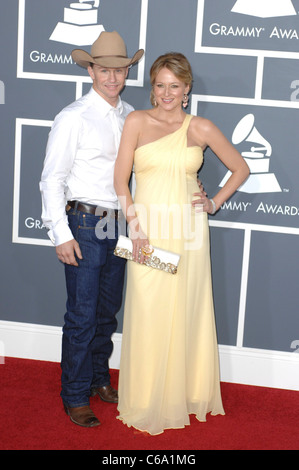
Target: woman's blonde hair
{"x": 177, "y": 63}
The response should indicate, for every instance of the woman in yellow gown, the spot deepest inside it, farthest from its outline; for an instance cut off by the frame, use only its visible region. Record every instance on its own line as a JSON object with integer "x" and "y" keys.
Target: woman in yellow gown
{"x": 169, "y": 360}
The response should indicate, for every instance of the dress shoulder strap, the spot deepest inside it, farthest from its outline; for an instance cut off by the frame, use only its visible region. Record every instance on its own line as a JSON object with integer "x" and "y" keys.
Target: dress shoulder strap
{"x": 187, "y": 120}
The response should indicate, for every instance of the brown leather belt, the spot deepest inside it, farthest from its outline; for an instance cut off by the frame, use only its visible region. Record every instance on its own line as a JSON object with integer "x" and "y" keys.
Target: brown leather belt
{"x": 92, "y": 209}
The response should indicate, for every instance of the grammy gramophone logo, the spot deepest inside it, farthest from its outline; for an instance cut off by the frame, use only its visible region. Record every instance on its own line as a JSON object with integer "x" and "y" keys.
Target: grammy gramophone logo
{"x": 264, "y": 8}
{"x": 79, "y": 26}
{"x": 257, "y": 157}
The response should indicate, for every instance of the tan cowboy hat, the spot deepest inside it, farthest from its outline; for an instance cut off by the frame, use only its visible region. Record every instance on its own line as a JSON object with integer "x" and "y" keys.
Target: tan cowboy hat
{"x": 109, "y": 50}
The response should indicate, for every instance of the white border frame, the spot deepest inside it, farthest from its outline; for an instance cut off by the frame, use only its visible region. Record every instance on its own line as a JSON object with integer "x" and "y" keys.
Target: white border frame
{"x": 17, "y": 181}
{"x": 77, "y": 78}
{"x": 195, "y": 100}
{"x": 260, "y": 54}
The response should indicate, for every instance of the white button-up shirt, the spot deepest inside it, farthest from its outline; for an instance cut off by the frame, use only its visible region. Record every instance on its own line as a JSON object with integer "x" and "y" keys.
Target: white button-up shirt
{"x": 80, "y": 157}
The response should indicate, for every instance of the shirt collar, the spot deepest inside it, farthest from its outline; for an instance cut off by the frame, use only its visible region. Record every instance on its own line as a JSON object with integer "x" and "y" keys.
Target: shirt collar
{"x": 104, "y": 106}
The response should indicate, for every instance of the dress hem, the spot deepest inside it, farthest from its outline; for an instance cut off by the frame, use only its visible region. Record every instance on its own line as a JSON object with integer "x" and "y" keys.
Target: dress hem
{"x": 171, "y": 427}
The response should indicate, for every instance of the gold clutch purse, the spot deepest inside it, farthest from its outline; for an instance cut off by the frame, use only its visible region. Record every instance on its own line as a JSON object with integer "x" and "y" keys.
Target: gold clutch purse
{"x": 154, "y": 257}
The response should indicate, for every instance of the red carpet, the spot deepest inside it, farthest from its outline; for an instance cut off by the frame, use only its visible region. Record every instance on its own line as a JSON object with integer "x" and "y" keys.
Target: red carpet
{"x": 32, "y": 418}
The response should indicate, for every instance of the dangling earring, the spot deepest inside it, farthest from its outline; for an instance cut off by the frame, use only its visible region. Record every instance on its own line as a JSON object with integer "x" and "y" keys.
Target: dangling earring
{"x": 153, "y": 98}
{"x": 185, "y": 100}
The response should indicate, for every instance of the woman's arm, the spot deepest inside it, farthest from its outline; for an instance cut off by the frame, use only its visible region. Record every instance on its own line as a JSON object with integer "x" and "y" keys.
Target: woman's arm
{"x": 207, "y": 134}
{"x": 122, "y": 174}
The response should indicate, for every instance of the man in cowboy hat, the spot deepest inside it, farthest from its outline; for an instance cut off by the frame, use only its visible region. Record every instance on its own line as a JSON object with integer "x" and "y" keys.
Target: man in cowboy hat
{"x": 79, "y": 207}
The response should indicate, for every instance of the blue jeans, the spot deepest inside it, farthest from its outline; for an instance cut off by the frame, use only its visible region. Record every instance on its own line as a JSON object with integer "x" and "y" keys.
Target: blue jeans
{"x": 94, "y": 296}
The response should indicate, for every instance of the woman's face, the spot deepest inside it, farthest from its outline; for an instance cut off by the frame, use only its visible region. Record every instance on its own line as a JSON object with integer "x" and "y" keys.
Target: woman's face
{"x": 169, "y": 90}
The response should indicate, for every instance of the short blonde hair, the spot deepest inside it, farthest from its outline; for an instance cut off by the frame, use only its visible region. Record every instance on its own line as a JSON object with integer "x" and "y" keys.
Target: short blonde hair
{"x": 177, "y": 63}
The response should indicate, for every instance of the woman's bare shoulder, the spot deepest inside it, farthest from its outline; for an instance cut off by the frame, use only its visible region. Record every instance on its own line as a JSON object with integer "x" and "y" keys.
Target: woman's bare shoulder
{"x": 136, "y": 121}
{"x": 137, "y": 115}
{"x": 201, "y": 123}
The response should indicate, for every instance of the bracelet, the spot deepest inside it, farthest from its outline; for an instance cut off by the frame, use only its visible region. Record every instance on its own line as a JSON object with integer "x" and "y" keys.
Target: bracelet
{"x": 214, "y": 206}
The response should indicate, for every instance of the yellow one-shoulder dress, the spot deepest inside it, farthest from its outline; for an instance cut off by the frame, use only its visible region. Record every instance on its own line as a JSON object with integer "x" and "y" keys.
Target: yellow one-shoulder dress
{"x": 169, "y": 360}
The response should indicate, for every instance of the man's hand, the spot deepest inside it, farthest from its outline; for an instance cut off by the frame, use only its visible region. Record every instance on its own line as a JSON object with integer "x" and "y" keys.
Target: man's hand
{"x": 66, "y": 252}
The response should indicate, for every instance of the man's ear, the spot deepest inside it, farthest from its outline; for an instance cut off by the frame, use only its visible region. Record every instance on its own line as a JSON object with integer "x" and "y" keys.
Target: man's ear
{"x": 90, "y": 71}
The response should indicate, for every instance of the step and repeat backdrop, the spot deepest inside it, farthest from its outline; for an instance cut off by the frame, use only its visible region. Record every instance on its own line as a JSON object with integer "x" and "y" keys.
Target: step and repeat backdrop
{"x": 244, "y": 55}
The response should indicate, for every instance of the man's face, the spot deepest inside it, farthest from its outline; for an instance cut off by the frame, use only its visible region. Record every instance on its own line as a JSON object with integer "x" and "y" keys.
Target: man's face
{"x": 108, "y": 82}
